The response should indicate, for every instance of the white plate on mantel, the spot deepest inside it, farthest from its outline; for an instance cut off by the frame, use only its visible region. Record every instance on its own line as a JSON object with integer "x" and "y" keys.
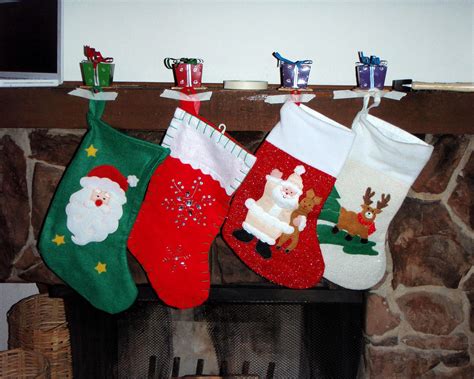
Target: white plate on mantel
{"x": 256, "y": 85}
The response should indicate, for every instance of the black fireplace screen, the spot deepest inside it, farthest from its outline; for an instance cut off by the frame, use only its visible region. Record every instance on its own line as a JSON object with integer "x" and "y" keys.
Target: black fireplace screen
{"x": 319, "y": 340}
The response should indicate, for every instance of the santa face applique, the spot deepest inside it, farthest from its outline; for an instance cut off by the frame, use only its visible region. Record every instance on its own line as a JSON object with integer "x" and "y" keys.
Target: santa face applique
{"x": 100, "y": 198}
{"x": 94, "y": 211}
{"x": 270, "y": 217}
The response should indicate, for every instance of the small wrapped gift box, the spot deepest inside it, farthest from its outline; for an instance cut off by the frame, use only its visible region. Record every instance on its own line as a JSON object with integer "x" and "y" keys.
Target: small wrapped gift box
{"x": 97, "y": 70}
{"x": 187, "y": 71}
{"x": 370, "y": 72}
{"x": 102, "y": 75}
{"x": 293, "y": 74}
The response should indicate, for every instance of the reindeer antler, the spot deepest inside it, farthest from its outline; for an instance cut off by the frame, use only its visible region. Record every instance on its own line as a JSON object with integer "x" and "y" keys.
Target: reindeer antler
{"x": 383, "y": 201}
{"x": 367, "y": 196}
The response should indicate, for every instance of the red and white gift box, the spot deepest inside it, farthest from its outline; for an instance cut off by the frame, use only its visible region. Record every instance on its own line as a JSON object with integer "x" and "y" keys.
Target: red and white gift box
{"x": 188, "y": 75}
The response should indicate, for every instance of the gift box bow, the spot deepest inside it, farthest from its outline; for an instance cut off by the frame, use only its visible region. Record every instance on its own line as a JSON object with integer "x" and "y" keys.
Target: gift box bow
{"x": 171, "y": 62}
{"x": 373, "y": 60}
{"x": 95, "y": 56}
{"x": 285, "y": 60}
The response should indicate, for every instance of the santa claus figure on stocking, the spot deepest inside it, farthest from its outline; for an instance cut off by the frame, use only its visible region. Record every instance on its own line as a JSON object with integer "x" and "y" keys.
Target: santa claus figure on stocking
{"x": 94, "y": 211}
{"x": 269, "y": 217}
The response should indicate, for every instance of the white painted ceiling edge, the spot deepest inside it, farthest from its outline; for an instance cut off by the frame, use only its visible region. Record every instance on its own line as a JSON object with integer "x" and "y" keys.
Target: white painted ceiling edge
{"x": 425, "y": 40}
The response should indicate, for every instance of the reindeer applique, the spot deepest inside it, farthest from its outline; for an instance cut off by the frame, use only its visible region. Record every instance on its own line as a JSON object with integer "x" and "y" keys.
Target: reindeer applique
{"x": 361, "y": 224}
{"x": 298, "y": 220}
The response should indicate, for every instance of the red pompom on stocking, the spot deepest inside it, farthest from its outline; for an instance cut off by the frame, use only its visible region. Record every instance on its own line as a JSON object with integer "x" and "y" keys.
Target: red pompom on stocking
{"x": 184, "y": 208}
{"x": 272, "y": 218}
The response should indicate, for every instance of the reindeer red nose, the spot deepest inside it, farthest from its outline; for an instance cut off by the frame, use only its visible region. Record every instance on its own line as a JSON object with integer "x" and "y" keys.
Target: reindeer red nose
{"x": 98, "y": 203}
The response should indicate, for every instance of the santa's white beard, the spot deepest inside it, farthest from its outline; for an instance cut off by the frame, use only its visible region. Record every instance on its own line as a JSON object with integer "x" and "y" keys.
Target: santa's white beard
{"x": 282, "y": 202}
{"x": 89, "y": 223}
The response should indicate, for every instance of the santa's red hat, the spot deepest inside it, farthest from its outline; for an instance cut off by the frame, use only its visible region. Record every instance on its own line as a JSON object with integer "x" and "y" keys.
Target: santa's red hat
{"x": 110, "y": 179}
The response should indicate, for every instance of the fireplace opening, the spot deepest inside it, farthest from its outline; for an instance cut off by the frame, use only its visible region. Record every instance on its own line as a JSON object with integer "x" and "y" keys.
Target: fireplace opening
{"x": 297, "y": 340}
{"x": 279, "y": 338}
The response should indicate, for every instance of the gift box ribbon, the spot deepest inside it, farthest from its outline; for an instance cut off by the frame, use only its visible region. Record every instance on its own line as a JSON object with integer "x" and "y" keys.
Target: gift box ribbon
{"x": 373, "y": 60}
{"x": 170, "y": 62}
{"x": 95, "y": 56}
{"x": 297, "y": 63}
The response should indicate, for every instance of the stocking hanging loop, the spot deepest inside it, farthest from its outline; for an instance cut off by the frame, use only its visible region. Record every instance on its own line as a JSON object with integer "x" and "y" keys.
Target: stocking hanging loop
{"x": 377, "y": 95}
{"x": 377, "y": 98}
{"x": 191, "y": 107}
{"x": 96, "y": 109}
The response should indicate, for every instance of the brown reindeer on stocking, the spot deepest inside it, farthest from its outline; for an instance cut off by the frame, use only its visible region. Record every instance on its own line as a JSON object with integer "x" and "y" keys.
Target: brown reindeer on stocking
{"x": 361, "y": 224}
{"x": 298, "y": 220}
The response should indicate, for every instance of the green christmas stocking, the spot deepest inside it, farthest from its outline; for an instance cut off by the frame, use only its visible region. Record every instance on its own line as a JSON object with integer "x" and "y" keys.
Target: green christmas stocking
{"x": 85, "y": 232}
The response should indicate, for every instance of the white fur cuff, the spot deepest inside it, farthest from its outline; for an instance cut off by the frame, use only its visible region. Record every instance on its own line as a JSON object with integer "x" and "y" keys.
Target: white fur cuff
{"x": 268, "y": 219}
{"x": 257, "y": 233}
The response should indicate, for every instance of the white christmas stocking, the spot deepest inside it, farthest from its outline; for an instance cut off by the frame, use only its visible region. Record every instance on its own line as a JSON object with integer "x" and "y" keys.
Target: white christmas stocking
{"x": 383, "y": 164}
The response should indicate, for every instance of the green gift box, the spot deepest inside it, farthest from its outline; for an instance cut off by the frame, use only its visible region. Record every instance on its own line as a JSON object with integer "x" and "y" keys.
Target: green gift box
{"x": 102, "y": 76}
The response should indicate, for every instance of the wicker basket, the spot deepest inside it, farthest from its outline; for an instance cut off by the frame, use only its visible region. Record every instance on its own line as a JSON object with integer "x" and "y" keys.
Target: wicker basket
{"x": 23, "y": 364}
{"x": 38, "y": 323}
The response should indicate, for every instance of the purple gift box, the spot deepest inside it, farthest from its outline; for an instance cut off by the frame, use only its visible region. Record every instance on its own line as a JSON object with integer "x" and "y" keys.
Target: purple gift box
{"x": 294, "y": 75}
{"x": 371, "y": 76}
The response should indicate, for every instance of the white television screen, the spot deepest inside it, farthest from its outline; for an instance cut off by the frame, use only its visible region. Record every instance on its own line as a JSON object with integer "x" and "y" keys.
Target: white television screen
{"x": 30, "y": 39}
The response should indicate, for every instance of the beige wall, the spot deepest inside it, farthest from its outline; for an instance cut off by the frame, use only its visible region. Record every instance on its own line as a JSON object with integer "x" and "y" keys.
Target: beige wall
{"x": 428, "y": 40}
{"x": 10, "y": 293}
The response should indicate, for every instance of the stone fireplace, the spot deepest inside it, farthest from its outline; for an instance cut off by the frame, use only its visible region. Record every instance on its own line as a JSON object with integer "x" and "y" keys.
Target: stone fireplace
{"x": 419, "y": 321}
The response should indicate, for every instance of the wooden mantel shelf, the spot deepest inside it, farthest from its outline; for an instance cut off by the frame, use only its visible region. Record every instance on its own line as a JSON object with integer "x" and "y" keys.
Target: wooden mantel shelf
{"x": 139, "y": 106}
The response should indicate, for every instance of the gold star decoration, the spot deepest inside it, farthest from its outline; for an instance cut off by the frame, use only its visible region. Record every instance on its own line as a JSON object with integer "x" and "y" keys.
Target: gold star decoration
{"x": 91, "y": 151}
{"x": 101, "y": 267}
{"x": 58, "y": 240}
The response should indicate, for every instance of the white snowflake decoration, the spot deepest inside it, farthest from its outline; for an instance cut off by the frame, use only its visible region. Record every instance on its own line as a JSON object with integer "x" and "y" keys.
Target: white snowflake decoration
{"x": 188, "y": 204}
{"x": 176, "y": 259}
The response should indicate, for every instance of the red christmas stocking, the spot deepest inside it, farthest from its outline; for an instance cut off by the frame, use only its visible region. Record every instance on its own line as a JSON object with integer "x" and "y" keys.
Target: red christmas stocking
{"x": 184, "y": 208}
{"x": 272, "y": 218}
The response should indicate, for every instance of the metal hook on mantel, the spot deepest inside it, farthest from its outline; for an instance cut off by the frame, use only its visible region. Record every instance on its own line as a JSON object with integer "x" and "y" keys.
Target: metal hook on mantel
{"x": 222, "y": 128}
{"x": 294, "y": 97}
{"x": 188, "y": 98}
{"x": 181, "y": 96}
{"x": 94, "y": 94}
{"x": 375, "y": 93}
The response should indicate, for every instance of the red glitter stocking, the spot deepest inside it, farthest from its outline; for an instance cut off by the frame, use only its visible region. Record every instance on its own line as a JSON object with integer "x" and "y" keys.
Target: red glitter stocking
{"x": 272, "y": 221}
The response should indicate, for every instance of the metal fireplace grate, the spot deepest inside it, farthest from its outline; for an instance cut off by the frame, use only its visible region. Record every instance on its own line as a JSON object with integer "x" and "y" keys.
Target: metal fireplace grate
{"x": 144, "y": 331}
{"x": 269, "y": 332}
{"x": 295, "y": 340}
